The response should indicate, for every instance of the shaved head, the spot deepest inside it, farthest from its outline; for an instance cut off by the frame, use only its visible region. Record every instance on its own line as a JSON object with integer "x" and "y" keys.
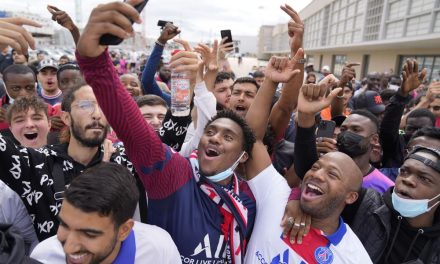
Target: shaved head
{"x": 351, "y": 175}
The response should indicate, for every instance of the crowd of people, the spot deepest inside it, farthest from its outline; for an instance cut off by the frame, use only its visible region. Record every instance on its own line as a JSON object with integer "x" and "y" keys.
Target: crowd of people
{"x": 286, "y": 165}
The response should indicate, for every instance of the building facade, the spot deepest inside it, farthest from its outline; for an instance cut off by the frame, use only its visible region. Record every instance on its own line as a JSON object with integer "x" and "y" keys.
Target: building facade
{"x": 379, "y": 34}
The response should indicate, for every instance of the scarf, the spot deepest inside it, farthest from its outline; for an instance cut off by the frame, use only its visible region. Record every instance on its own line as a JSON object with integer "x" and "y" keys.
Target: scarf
{"x": 231, "y": 208}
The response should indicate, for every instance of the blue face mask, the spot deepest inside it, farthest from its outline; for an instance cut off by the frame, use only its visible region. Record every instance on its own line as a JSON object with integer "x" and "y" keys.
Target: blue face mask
{"x": 226, "y": 173}
{"x": 411, "y": 207}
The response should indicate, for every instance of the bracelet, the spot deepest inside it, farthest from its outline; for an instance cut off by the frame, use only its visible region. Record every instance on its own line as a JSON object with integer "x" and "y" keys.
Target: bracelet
{"x": 295, "y": 194}
{"x": 160, "y": 44}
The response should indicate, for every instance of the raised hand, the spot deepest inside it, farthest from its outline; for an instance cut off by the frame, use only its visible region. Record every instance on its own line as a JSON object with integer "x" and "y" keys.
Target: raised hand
{"x": 168, "y": 32}
{"x": 186, "y": 61}
{"x": 312, "y": 100}
{"x": 184, "y": 43}
{"x": 61, "y": 17}
{"x": 433, "y": 91}
{"x": 348, "y": 73}
{"x": 225, "y": 48}
{"x": 209, "y": 56}
{"x": 411, "y": 77}
{"x": 113, "y": 18}
{"x": 282, "y": 69}
{"x": 13, "y": 34}
{"x": 295, "y": 28}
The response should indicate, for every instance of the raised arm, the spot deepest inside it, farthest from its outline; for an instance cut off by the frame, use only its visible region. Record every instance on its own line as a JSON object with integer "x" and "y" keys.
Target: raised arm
{"x": 210, "y": 61}
{"x": 283, "y": 109}
{"x": 337, "y": 106}
{"x": 156, "y": 164}
{"x": 389, "y": 128}
{"x": 278, "y": 70}
{"x": 149, "y": 84}
{"x": 62, "y": 18}
{"x": 311, "y": 101}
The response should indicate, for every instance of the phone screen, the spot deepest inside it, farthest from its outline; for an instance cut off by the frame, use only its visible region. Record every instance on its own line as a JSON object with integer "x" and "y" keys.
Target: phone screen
{"x": 326, "y": 128}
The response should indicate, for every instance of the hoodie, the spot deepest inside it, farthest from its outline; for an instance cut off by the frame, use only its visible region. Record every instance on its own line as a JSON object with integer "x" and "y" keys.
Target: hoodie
{"x": 407, "y": 243}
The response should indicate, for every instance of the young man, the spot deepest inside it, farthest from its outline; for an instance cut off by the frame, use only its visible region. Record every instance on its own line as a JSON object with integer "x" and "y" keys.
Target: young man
{"x": 359, "y": 133}
{"x": 243, "y": 94}
{"x": 39, "y": 176}
{"x": 201, "y": 194}
{"x": 29, "y": 122}
{"x": 96, "y": 224}
{"x": 20, "y": 81}
{"x": 153, "y": 109}
{"x": 222, "y": 89}
{"x": 259, "y": 77}
{"x": 47, "y": 77}
{"x": 403, "y": 225}
{"x": 67, "y": 75}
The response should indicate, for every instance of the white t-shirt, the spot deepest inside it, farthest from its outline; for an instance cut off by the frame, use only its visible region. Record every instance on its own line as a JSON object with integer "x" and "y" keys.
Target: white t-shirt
{"x": 150, "y": 244}
{"x": 267, "y": 245}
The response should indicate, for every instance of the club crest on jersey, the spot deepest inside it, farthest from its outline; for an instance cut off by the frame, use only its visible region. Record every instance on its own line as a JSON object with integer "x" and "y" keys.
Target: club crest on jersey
{"x": 323, "y": 255}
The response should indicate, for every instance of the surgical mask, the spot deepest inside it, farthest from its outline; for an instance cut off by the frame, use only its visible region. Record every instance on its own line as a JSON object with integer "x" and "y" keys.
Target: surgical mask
{"x": 351, "y": 144}
{"x": 411, "y": 207}
{"x": 226, "y": 173}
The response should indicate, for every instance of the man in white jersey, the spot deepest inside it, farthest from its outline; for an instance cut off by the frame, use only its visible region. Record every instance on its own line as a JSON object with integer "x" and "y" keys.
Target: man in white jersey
{"x": 332, "y": 183}
{"x": 96, "y": 224}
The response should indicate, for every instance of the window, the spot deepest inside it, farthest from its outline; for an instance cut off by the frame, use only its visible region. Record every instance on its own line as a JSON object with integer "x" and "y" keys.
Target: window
{"x": 394, "y": 30}
{"x": 338, "y": 64}
{"x": 398, "y": 9}
{"x": 418, "y": 6}
{"x": 418, "y": 25}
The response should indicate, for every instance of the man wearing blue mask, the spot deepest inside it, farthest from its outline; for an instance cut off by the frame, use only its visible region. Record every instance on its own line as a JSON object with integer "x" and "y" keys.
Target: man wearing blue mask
{"x": 404, "y": 226}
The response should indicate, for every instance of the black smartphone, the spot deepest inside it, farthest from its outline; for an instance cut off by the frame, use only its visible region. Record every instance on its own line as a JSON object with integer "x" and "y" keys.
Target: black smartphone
{"x": 109, "y": 39}
{"x": 226, "y": 33}
{"x": 326, "y": 128}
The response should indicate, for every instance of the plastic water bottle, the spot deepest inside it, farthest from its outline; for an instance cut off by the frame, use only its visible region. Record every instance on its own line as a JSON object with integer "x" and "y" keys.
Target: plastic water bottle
{"x": 180, "y": 94}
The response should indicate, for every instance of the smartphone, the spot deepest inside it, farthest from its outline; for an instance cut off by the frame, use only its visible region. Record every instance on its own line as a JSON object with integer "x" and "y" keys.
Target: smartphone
{"x": 326, "y": 128}
{"x": 226, "y": 33}
{"x": 109, "y": 39}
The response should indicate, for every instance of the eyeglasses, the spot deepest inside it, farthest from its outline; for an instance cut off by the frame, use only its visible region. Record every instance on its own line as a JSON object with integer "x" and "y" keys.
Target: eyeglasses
{"x": 87, "y": 106}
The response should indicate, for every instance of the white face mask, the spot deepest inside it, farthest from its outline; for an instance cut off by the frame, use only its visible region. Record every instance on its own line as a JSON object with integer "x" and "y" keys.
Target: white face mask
{"x": 411, "y": 207}
{"x": 226, "y": 173}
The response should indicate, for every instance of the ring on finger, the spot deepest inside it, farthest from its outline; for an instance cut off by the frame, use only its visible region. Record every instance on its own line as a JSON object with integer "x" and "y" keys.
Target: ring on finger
{"x": 291, "y": 221}
{"x": 297, "y": 225}
{"x": 302, "y": 224}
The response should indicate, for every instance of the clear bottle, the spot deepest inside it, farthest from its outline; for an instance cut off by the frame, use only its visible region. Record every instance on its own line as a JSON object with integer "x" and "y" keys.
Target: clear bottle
{"x": 180, "y": 94}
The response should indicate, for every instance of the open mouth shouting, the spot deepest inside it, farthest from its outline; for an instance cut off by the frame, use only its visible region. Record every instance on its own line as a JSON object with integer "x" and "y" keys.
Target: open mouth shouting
{"x": 31, "y": 135}
{"x": 311, "y": 191}
{"x": 240, "y": 109}
{"x": 211, "y": 152}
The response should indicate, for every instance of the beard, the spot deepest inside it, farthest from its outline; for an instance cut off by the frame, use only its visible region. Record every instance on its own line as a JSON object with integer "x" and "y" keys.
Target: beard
{"x": 325, "y": 209}
{"x": 95, "y": 141}
{"x": 99, "y": 257}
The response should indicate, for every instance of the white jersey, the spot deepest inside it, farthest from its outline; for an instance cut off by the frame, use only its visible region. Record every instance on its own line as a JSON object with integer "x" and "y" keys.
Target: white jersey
{"x": 145, "y": 244}
{"x": 267, "y": 245}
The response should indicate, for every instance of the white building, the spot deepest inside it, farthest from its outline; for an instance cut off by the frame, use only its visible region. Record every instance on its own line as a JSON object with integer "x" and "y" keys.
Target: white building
{"x": 380, "y": 34}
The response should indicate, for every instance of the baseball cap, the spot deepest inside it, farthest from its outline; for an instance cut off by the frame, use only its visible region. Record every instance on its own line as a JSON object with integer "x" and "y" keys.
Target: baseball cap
{"x": 339, "y": 119}
{"x": 326, "y": 68}
{"x": 47, "y": 63}
{"x": 371, "y": 101}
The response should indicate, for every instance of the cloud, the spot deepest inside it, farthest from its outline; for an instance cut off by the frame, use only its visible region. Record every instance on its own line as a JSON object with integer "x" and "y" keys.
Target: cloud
{"x": 199, "y": 19}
